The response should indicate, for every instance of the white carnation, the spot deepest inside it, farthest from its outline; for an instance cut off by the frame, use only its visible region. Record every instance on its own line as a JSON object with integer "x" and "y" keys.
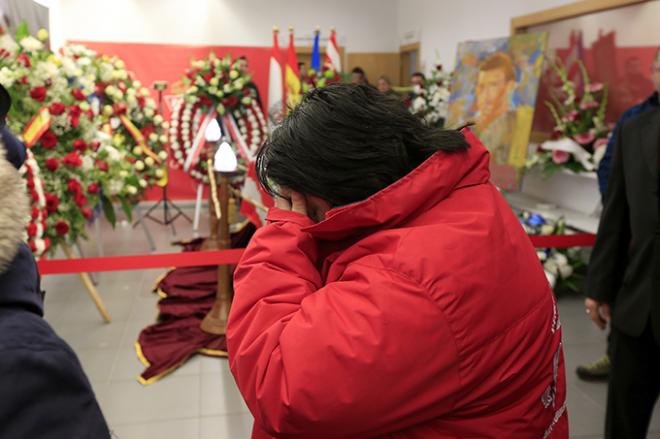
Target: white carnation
{"x": 31, "y": 44}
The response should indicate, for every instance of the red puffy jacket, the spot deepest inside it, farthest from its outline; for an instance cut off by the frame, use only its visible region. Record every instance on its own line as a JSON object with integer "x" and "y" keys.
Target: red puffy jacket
{"x": 421, "y": 312}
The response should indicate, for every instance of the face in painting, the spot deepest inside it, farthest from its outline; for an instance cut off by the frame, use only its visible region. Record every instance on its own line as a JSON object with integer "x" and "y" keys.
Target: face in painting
{"x": 492, "y": 94}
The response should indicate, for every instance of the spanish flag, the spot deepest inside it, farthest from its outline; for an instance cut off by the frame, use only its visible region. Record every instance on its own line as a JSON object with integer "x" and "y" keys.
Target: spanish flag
{"x": 292, "y": 75}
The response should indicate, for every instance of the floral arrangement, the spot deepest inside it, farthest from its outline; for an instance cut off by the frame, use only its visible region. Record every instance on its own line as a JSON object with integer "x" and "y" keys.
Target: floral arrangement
{"x": 320, "y": 78}
{"x": 215, "y": 87}
{"x": 65, "y": 152}
{"x": 431, "y": 102}
{"x": 580, "y": 133}
{"x": 562, "y": 266}
{"x": 36, "y": 229}
{"x": 132, "y": 135}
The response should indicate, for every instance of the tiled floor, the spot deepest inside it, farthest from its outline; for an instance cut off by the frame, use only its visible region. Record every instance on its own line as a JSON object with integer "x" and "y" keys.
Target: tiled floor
{"x": 200, "y": 400}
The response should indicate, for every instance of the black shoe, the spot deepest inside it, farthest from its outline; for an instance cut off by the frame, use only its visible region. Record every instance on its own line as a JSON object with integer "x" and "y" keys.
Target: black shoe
{"x": 598, "y": 370}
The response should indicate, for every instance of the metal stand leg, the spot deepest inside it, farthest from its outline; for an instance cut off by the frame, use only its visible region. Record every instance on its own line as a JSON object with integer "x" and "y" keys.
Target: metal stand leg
{"x": 150, "y": 239}
{"x": 198, "y": 210}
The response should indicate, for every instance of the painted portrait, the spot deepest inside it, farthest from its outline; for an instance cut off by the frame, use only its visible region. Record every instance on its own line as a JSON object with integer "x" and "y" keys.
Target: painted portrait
{"x": 494, "y": 86}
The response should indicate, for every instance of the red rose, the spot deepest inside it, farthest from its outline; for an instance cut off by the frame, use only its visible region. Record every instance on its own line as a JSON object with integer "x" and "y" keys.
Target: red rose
{"x": 35, "y": 212}
{"x": 73, "y": 186}
{"x": 75, "y": 121}
{"x": 119, "y": 108}
{"x": 205, "y": 101}
{"x": 32, "y": 230}
{"x": 95, "y": 145}
{"x": 57, "y": 108}
{"x": 24, "y": 80}
{"x": 61, "y": 227}
{"x": 78, "y": 94}
{"x": 87, "y": 213}
{"x": 72, "y": 160}
{"x": 79, "y": 145}
{"x": 100, "y": 87}
{"x": 48, "y": 140}
{"x": 33, "y": 246}
{"x": 38, "y": 94}
{"x": 93, "y": 188}
{"x": 102, "y": 165}
{"x": 30, "y": 183}
{"x": 141, "y": 101}
{"x": 24, "y": 59}
{"x": 46, "y": 243}
{"x": 52, "y": 164}
{"x": 34, "y": 195}
{"x": 75, "y": 110}
{"x": 230, "y": 101}
{"x": 52, "y": 202}
{"x": 80, "y": 200}
{"x": 208, "y": 76}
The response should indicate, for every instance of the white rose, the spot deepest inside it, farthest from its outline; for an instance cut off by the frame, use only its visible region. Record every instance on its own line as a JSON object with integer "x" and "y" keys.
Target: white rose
{"x": 192, "y": 90}
{"x": 123, "y": 173}
{"x": 246, "y": 100}
{"x": 158, "y": 119}
{"x": 166, "y": 125}
{"x": 160, "y": 173}
{"x": 131, "y": 100}
{"x": 233, "y": 74}
{"x": 139, "y": 165}
{"x": 131, "y": 190}
{"x": 7, "y": 77}
{"x": 163, "y": 154}
{"x": 137, "y": 84}
{"x": 137, "y": 150}
{"x": 31, "y": 44}
{"x": 149, "y": 161}
{"x": 143, "y": 183}
{"x": 144, "y": 92}
{"x": 239, "y": 84}
{"x": 120, "y": 64}
{"x": 214, "y": 81}
{"x": 163, "y": 138}
{"x": 149, "y": 112}
{"x": 110, "y": 90}
{"x": 87, "y": 163}
{"x": 153, "y": 137}
{"x": 227, "y": 88}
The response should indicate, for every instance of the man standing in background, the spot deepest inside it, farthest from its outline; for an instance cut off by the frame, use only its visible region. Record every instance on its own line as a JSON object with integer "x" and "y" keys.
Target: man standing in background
{"x": 623, "y": 283}
{"x": 243, "y": 67}
{"x": 599, "y": 369}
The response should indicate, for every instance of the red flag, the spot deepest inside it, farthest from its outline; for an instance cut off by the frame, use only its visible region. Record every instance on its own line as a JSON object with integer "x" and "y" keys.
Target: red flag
{"x": 292, "y": 75}
{"x": 332, "y": 57}
{"x": 275, "y": 89}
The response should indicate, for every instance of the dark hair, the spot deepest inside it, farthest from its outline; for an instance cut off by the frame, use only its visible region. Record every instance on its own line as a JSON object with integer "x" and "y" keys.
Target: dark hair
{"x": 300, "y": 64}
{"x": 241, "y": 58}
{"x": 499, "y": 60}
{"x": 385, "y": 78}
{"x": 346, "y": 142}
{"x": 359, "y": 71}
{"x": 420, "y": 74}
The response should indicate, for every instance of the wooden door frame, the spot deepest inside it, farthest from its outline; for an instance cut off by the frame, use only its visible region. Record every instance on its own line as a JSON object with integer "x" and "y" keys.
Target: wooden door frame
{"x": 521, "y": 23}
{"x": 412, "y": 47}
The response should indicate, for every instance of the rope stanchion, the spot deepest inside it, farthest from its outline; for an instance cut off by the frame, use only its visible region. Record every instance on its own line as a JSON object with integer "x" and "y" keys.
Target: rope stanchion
{"x": 231, "y": 257}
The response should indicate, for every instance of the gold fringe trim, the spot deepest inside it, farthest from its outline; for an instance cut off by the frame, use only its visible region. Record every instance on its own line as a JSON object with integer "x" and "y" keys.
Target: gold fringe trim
{"x": 153, "y": 379}
{"x": 160, "y": 278}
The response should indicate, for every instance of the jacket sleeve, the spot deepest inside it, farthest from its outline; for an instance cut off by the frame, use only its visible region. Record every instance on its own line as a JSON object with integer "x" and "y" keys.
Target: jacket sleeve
{"x": 610, "y": 253}
{"x": 365, "y": 355}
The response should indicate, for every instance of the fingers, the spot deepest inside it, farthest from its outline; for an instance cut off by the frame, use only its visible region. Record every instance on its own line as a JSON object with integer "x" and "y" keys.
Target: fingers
{"x": 597, "y": 313}
{"x": 606, "y": 311}
{"x": 298, "y": 203}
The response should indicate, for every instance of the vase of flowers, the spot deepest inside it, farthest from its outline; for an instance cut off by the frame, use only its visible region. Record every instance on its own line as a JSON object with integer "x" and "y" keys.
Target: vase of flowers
{"x": 580, "y": 134}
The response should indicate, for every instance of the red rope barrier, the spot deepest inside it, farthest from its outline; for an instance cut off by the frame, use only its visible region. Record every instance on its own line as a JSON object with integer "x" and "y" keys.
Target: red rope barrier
{"x": 563, "y": 241}
{"x": 221, "y": 257}
{"x": 140, "y": 262}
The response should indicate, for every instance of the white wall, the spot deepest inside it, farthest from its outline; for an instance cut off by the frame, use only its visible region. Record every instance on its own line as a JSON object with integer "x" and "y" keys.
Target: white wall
{"x": 362, "y": 25}
{"x": 439, "y": 25}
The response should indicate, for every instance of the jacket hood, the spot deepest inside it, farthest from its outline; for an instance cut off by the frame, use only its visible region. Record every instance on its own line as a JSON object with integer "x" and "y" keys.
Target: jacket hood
{"x": 424, "y": 187}
{"x": 13, "y": 210}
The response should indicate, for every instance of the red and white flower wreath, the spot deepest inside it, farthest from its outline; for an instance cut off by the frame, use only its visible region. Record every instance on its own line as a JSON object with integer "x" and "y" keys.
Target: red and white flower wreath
{"x": 36, "y": 229}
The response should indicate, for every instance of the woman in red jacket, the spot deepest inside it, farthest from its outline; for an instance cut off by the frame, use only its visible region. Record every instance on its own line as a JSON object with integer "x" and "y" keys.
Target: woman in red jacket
{"x": 393, "y": 293}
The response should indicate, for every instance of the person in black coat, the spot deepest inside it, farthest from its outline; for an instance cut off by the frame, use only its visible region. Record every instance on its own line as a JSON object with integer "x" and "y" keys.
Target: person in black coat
{"x": 623, "y": 282}
{"x": 44, "y": 392}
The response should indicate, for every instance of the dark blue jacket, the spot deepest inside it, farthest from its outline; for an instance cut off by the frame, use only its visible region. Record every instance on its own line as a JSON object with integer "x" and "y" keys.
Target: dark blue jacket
{"x": 606, "y": 163}
{"x": 44, "y": 392}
